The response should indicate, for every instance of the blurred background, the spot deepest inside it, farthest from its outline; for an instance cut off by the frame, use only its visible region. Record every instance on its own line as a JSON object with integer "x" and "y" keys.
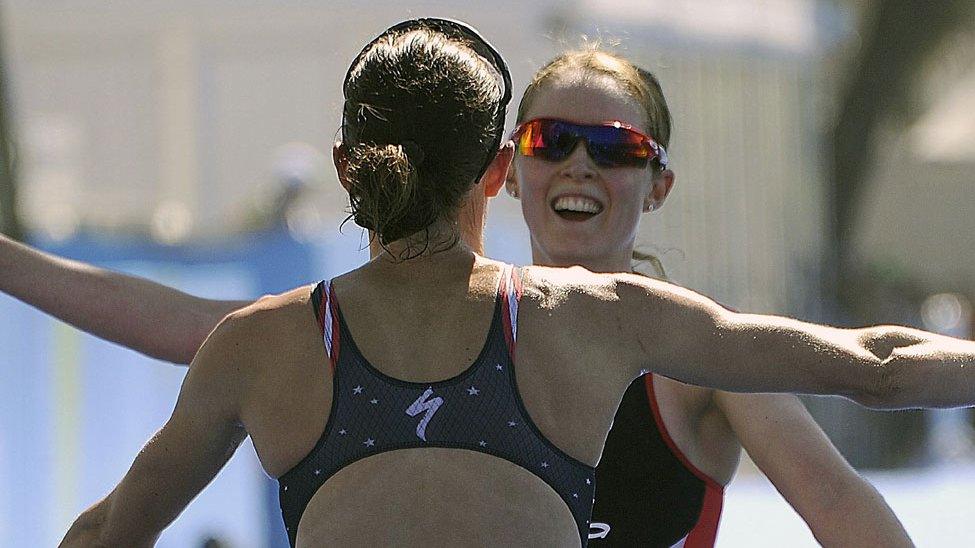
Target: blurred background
{"x": 824, "y": 151}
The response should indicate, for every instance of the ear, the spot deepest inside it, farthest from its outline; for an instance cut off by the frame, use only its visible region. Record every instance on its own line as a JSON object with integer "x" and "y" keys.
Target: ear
{"x": 497, "y": 172}
{"x": 660, "y": 185}
{"x": 511, "y": 179}
{"x": 341, "y": 160}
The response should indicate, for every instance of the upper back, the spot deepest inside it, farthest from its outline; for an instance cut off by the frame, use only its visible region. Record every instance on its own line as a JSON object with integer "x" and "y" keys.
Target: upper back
{"x": 426, "y": 326}
{"x": 419, "y": 327}
{"x": 425, "y": 329}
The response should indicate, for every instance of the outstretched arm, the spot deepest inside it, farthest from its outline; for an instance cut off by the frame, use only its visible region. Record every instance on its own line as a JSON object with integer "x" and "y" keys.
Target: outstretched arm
{"x": 840, "y": 507}
{"x": 179, "y": 461}
{"x": 145, "y": 316}
{"x": 679, "y": 333}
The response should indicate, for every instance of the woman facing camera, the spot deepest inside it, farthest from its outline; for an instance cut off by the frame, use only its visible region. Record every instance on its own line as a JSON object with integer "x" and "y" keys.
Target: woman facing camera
{"x": 590, "y": 162}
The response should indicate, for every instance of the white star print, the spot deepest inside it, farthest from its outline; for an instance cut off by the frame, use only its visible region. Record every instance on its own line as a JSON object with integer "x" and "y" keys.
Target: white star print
{"x": 482, "y": 443}
{"x": 544, "y": 465}
{"x": 318, "y": 472}
{"x": 512, "y": 423}
{"x": 285, "y": 487}
{"x": 342, "y": 431}
{"x": 588, "y": 482}
{"x": 357, "y": 389}
{"x": 499, "y": 367}
{"x": 369, "y": 442}
{"x": 575, "y": 495}
{"x": 473, "y": 391}
{"x": 374, "y": 401}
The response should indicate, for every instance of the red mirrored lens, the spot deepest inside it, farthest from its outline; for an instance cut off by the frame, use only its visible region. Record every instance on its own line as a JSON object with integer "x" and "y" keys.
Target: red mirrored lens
{"x": 610, "y": 145}
{"x": 528, "y": 138}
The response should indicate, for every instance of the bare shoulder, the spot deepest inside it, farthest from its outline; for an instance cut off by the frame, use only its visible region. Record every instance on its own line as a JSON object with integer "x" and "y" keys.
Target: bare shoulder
{"x": 643, "y": 323}
{"x": 261, "y": 328}
{"x": 268, "y": 311}
{"x": 271, "y": 305}
{"x": 553, "y": 287}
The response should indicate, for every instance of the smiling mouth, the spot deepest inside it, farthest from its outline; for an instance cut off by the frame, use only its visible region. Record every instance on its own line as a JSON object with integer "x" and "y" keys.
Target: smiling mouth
{"x": 576, "y": 208}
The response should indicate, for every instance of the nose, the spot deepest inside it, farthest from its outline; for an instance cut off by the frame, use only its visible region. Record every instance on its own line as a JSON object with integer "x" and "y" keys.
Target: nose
{"x": 578, "y": 165}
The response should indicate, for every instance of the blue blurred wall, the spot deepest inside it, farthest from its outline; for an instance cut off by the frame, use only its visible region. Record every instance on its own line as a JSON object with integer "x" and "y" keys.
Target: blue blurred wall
{"x": 75, "y": 410}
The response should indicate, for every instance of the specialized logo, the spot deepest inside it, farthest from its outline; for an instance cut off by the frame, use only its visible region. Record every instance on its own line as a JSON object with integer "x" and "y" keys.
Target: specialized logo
{"x": 598, "y": 530}
{"x": 423, "y": 404}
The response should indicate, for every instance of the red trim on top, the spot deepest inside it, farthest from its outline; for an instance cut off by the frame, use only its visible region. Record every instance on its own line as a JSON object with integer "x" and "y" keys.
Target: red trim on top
{"x": 334, "y": 319}
{"x": 705, "y": 531}
{"x": 506, "y": 314}
{"x": 648, "y": 381}
{"x": 516, "y": 279}
{"x": 321, "y": 311}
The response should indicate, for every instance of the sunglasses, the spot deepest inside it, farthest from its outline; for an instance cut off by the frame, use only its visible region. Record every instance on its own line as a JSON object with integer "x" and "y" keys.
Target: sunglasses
{"x": 610, "y": 144}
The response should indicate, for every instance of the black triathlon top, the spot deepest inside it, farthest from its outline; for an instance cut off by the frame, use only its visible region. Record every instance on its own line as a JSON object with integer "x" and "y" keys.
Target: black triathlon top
{"x": 479, "y": 410}
{"x": 650, "y": 494}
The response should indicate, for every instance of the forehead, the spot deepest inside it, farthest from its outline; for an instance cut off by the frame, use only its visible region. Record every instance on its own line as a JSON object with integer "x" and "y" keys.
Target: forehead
{"x": 587, "y": 99}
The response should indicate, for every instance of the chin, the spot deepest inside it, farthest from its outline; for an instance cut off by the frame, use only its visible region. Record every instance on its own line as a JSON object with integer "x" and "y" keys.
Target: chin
{"x": 573, "y": 257}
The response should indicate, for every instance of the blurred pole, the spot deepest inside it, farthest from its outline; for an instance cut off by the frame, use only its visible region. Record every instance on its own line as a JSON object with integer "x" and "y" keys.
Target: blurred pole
{"x": 898, "y": 37}
{"x": 9, "y": 220}
{"x": 880, "y": 86}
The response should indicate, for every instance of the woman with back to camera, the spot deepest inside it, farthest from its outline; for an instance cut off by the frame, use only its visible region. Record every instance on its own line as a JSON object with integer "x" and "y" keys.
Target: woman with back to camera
{"x": 419, "y": 429}
{"x": 673, "y": 447}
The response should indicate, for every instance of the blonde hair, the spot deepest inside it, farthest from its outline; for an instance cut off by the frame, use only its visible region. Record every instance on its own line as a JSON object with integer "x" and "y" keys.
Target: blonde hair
{"x": 638, "y": 83}
{"x": 648, "y": 265}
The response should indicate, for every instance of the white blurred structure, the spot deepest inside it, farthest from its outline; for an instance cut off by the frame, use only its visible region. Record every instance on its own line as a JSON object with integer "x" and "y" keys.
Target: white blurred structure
{"x": 745, "y": 223}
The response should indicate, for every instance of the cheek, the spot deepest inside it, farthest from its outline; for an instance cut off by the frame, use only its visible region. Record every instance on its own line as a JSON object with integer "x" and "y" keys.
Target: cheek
{"x": 532, "y": 192}
{"x": 629, "y": 189}
{"x": 628, "y": 197}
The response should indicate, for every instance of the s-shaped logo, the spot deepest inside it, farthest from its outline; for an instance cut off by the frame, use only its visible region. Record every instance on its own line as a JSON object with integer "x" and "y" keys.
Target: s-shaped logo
{"x": 598, "y": 530}
{"x": 423, "y": 404}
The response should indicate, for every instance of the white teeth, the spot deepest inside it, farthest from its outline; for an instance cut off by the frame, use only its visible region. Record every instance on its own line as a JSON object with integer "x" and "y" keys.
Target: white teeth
{"x": 577, "y": 203}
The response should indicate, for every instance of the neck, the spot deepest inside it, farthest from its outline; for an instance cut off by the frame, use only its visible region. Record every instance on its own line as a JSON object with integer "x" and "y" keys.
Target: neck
{"x": 469, "y": 227}
{"x": 442, "y": 238}
{"x": 435, "y": 268}
{"x": 616, "y": 262}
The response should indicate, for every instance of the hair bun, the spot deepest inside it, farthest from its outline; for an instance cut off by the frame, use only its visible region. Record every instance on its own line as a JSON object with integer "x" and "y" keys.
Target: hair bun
{"x": 413, "y": 152}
